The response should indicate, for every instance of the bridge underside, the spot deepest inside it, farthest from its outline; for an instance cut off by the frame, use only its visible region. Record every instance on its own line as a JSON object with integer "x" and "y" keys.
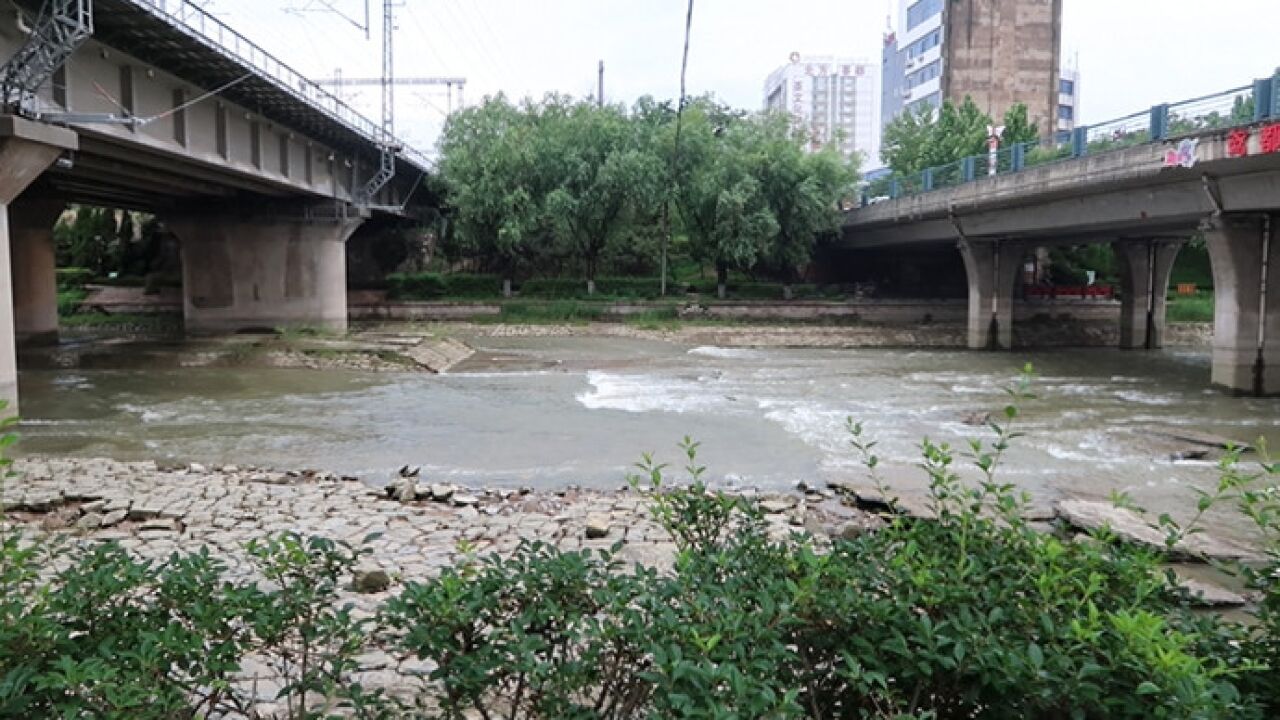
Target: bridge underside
{"x": 1146, "y": 211}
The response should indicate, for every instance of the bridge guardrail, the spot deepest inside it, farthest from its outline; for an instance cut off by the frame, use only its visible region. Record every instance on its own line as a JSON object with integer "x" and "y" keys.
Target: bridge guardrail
{"x": 223, "y": 38}
{"x": 1236, "y": 107}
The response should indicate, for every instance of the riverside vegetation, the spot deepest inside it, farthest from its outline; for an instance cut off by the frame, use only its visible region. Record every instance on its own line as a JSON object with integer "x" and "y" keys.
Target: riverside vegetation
{"x": 971, "y": 614}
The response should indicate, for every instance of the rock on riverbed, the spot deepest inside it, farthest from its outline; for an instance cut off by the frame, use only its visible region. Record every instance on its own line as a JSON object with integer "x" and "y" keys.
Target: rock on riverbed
{"x": 1092, "y": 515}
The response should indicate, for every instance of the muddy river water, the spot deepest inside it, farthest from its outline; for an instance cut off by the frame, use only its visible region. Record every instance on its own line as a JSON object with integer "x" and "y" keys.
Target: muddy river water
{"x": 549, "y": 411}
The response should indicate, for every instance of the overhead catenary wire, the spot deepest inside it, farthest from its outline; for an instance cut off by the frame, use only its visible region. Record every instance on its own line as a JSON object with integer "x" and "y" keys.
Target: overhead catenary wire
{"x": 202, "y": 98}
{"x": 480, "y": 48}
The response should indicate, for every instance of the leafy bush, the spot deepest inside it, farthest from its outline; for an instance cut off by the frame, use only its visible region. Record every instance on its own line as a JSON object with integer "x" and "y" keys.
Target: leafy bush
{"x": 554, "y": 288}
{"x": 123, "y": 637}
{"x": 1191, "y": 308}
{"x": 111, "y": 635}
{"x": 434, "y": 286}
{"x": 416, "y": 286}
{"x": 474, "y": 286}
{"x": 554, "y": 311}
{"x": 69, "y": 301}
{"x": 72, "y": 278}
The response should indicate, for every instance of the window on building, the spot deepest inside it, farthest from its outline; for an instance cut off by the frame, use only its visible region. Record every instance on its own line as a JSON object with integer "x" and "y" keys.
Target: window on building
{"x": 924, "y": 74}
{"x": 924, "y": 44}
{"x": 1066, "y": 112}
{"x": 921, "y": 11}
{"x": 933, "y": 100}
{"x": 1067, "y": 87}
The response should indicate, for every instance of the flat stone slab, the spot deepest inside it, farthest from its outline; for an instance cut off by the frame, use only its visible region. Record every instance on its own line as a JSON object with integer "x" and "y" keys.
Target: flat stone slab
{"x": 1205, "y": 594}
{"x": 1093, "y": 515}
{"x": 1203, "y": 439}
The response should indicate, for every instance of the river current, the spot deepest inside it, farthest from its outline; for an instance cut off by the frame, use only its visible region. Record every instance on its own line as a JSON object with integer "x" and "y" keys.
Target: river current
{"x": 551, "y": 411}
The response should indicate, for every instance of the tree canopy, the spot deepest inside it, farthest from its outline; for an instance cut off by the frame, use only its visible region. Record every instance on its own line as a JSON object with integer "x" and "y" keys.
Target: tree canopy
{"x": 566, "y": 186}
{"x": 928, "y": 138}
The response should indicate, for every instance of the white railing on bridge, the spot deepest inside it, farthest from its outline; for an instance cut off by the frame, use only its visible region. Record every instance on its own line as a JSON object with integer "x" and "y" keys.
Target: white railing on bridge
{"x": 203, "y": 27}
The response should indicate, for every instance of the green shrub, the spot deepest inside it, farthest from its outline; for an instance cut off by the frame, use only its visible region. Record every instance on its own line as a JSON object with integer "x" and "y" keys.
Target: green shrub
{"x": 416, "y": 286}
{"x": 553, "y": 311}
{"x": 473, "y": 286}
{"x": 1193, "y": 266}
{"x": 553, "y": 288}
{"x": 1190, "y": 308}
{"x": 638, "y": 288}
{"x": 72, "y": 278}
{"x": 69, "y": 301}
{"x": 115, "y": 636}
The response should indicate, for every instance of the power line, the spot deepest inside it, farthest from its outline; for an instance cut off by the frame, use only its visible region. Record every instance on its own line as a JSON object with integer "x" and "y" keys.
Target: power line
{"x": 478, "y": 44}
{"x": 675, "y": 148}
{"x": 484, "y": 22}
{"x": 431, "y": 47}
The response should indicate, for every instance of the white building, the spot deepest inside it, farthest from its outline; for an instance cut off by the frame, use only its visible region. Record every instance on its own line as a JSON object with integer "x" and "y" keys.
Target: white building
{"x": 836, "y": 100}
{"x": 920, "y": 44}
{"x": 1068, "y": 101}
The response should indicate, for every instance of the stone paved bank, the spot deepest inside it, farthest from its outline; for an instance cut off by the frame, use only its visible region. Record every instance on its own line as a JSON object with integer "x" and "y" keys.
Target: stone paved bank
{"x": 154, "y": 511}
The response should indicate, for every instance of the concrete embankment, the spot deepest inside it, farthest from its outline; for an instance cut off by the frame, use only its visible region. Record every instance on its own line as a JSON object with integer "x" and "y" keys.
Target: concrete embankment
{"x": 863, "y": 323}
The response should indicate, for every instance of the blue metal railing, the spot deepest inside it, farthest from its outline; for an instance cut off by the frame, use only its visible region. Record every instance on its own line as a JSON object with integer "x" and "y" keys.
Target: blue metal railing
{"x": 1239, "y": 106}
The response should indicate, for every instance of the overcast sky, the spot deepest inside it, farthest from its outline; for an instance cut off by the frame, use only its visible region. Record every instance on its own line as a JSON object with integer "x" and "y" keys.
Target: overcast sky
{"x": 1131, "y": 53}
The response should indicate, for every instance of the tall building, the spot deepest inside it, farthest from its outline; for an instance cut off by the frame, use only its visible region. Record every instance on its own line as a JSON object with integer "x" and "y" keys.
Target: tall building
{"x": 998, "y": 52}
{"x": 1068, "y": 101}
{"x": 834, "y": 99}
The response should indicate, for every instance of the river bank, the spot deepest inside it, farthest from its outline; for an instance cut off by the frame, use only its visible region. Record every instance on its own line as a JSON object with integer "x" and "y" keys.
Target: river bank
{"x": 156, "y": 510}
{"x": 419, "y": 527}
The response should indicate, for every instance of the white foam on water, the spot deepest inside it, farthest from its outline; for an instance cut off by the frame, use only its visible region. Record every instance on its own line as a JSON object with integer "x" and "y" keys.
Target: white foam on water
{"x": 1145, "y": 398}
{"x": 716, "y": 351}
{"x": 643, "y": 393}
{"x": 147, "y": 414}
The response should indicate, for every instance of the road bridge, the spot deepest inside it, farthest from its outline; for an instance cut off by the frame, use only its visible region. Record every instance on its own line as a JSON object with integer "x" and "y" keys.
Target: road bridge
{"x": 156, "y": 105}
{"x": 1220, "y": 178}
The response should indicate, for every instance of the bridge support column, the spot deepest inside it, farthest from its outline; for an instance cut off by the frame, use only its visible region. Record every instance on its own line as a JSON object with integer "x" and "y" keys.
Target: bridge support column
{"x": 1145, "y": 266}
{"x": 26, "y": 150}
{"x": 35, "y": 279}
{"x": 1245, "y": 252}
{"x": 260, "y": 272}
{"x": 992, "y": 268}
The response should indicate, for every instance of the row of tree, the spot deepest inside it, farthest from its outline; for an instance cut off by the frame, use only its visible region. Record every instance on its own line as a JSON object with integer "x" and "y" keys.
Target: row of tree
{"x": 933, "y": 137}
{"x": 936, "y": 137}
{"x": 107, "y": 242}
{"x": 563, "y": 185}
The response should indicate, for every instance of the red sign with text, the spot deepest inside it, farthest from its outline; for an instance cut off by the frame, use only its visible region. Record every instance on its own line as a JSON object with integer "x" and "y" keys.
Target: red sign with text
{"x": 1268, "y": 141}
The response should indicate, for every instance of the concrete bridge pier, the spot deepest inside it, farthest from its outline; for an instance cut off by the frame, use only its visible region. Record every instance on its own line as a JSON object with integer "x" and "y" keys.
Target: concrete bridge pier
{"x": 262, "y": 270}
{"x": 26, "y": 150}
{"x": 1145, "y": 266}
{"x": 1245, "y": 253}
{"x": 992, "y": 268}
{"x": 35, "y": 278}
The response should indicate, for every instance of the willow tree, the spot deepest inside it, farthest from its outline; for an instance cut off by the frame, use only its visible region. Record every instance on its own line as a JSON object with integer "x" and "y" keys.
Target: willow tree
{"x": 720, "y": 200}
{"x": 803, "y": 191}
{"x": 490, "y": 174}
{"x": 607, "y": 179}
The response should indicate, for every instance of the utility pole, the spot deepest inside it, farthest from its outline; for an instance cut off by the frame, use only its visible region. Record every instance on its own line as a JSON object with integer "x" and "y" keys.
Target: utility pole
{"x": 388, "y": 72}
{"x": 600, "y": 86}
